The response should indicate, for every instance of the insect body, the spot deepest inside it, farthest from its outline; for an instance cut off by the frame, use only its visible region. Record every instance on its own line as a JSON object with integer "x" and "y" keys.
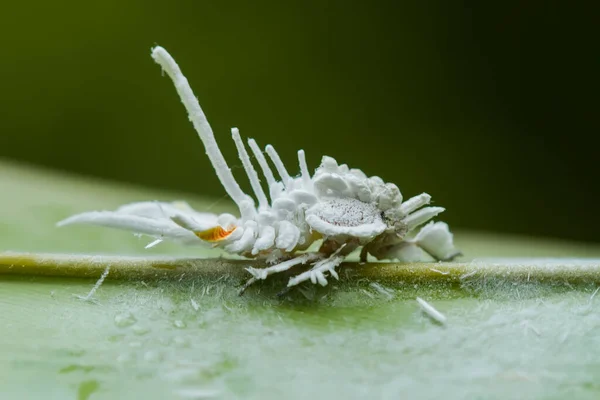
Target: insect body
{"x": 338, "y": 207}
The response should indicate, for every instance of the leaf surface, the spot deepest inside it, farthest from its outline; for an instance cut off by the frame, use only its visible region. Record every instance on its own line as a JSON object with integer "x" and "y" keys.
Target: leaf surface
{"x": 167, "y": 322}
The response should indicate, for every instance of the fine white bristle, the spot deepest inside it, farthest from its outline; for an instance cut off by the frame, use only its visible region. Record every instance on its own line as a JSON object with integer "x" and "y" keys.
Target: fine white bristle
{"x": 250, "y": 171}
{"x": 97, "y": 285}
{"x": 198, "y": 119}
{"x": 431, "y": 311}
{"x": 153, "y": 243}
{"x": 285, "y": 176}
{"x": 593, "y": 295}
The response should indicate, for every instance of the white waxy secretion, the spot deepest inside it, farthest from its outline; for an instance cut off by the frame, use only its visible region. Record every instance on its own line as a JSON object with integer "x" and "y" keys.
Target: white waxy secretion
{"x": 339, "y": 207}
{"x": 431, "y": 311}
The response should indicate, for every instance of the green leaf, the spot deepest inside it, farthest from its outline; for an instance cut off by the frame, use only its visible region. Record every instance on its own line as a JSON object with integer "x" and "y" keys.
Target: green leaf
{"x": 168, "y": 323}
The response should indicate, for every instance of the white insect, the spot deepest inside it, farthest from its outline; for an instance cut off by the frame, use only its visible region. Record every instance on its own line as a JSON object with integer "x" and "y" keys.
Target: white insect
{"x": 338, "y": 208}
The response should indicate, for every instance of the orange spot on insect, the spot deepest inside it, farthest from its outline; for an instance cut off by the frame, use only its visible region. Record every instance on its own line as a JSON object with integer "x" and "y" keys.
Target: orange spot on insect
{"x": 215, "y": 234}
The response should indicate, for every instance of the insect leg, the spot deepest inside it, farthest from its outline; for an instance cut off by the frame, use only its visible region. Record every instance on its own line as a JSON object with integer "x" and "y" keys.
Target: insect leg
{"x": 316, "y": 274}
{"x": 263, "y": 273}
{"x": 248, "y": 283}
{"x": 364, "y": 254}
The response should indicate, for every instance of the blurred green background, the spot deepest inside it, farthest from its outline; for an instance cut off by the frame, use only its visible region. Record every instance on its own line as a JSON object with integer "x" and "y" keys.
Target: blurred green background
{"x": 489, "y": 108}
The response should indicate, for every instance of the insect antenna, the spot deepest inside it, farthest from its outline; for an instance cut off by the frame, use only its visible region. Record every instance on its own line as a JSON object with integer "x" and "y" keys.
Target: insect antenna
{"x": 285, "y": 176}
{"x": 198, "y": 119}
{"x": 263, "y": 203}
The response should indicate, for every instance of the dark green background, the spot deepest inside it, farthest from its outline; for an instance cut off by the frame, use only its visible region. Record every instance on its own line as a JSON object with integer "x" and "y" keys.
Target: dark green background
{"x": 491, "y": 109}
